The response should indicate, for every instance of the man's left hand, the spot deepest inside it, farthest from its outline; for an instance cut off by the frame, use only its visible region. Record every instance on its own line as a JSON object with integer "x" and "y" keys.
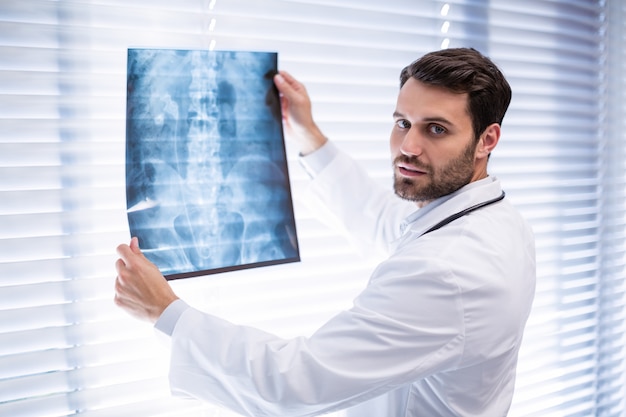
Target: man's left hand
{"x": 140, "y": 288}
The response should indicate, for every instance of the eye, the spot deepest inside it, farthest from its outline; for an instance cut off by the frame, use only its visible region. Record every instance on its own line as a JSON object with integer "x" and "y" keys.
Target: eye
{"x": 403, "y": 124}
{"x": 436, "y": 130}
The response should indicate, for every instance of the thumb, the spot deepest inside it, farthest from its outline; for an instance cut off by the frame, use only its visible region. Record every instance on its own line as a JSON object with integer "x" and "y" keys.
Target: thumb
{"x": 286, "y": 84}
{"x": 134, "y": 245}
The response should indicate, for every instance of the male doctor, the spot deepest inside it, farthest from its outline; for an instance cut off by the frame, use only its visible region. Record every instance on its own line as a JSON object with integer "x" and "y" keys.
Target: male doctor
{"x": 437, "y": 330}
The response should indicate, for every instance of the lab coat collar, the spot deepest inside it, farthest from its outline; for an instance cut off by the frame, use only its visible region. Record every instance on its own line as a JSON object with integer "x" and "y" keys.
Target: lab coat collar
{"x": 473, "y": 193}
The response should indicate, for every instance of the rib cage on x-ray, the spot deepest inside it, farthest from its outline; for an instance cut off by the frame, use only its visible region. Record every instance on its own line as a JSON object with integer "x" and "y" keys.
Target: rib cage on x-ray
{"x": 207, "y": 184}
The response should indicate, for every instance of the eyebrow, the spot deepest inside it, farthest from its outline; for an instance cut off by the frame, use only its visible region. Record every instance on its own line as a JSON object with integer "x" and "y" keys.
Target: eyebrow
{"x": 441, "y": 120}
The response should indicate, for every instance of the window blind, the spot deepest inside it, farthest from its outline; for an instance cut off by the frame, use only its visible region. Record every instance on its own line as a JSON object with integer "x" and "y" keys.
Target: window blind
{"x": 65, "y": 349}
{"x": 556, "y": 124}
{"x": 611, "y": 340}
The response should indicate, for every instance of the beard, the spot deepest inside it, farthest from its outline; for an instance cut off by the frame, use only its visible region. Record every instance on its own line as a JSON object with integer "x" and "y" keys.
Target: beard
{"x": 437, "y": 182}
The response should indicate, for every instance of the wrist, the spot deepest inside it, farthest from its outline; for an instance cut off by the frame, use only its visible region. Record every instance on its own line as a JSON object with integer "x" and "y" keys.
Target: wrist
{"x": 161, "y": 307}
{"x": 312, "y": 140}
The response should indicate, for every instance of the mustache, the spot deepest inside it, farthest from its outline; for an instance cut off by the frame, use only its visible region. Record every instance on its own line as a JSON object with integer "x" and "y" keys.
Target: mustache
{"x": 411, "y": 160}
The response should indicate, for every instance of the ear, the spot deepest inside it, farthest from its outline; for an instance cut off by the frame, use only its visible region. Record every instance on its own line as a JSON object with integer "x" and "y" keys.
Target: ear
{"x": 488, "y": 141}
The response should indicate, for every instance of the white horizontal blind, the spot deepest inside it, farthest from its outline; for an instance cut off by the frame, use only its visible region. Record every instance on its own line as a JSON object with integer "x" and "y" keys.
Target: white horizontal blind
{"x": 554, "y": 65}
{"x": 555, "y": 163}
{"x": 65, "y": 349}
{"x": 611, "y": 369}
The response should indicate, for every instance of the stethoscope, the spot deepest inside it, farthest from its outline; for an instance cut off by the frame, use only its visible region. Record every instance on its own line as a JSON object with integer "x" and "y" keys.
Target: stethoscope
{"x": 462, "y": 213}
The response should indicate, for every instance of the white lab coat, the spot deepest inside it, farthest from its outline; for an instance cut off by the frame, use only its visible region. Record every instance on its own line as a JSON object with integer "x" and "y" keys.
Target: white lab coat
{"x": 436, "y": 332}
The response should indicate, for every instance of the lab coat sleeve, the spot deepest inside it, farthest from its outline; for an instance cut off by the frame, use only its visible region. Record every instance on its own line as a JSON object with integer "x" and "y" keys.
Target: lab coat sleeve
{"x": 405, "y": 325}
{"x": 367, "y": 211}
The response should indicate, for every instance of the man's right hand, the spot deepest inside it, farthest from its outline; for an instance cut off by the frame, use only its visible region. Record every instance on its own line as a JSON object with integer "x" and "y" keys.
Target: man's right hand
{"x": 297, "y": 116}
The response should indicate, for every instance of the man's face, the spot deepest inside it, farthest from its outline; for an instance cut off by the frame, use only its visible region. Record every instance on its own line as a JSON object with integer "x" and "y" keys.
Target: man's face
{"x": 432, "y": 142}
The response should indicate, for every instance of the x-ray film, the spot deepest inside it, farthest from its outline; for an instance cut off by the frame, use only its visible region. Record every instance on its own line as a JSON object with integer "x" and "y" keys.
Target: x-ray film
{"x": 207, "y": 186}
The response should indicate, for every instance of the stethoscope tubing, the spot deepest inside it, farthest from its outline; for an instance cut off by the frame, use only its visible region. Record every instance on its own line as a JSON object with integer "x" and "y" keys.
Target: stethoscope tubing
{"x": 462, "y": 213}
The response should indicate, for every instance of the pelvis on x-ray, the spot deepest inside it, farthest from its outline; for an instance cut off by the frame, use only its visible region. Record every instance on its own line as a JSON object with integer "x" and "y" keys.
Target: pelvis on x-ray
{"x": 207, "y": 185}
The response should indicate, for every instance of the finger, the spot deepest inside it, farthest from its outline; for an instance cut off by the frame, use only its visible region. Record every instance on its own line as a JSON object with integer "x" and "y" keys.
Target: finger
{"x": 126, "y": 303}
{"x": 134, "y": 245}
{"x": 282, "y": 85}
{"x": 120, "y": 265}
{"x": 119, "y": 296}
{"x": 125, "y": 253}
{"x": 117, "y": 299}
{"x": 288, "y": 77}
{"x": 288, "y": 86}
{"x": 118, "y": 286}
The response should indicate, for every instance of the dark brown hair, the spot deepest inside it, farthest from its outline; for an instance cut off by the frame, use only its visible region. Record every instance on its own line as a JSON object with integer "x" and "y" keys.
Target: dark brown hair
{"x": 465, "y": 70}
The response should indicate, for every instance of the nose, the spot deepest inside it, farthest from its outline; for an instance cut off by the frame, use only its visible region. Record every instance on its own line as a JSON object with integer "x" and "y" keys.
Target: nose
{"x": 412, "y": 143}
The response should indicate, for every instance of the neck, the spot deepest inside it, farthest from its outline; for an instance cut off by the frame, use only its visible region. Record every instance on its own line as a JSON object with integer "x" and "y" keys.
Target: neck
{"x": 480, "y": 171}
